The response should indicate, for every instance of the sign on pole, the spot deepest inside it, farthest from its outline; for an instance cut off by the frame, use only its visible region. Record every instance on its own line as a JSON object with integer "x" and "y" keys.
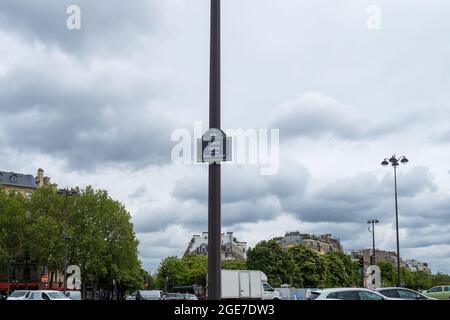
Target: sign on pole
{"x": 214, "y": 147}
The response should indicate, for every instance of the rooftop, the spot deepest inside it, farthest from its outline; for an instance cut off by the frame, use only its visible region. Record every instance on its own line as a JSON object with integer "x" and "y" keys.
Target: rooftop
{"x": 17, "y": 180}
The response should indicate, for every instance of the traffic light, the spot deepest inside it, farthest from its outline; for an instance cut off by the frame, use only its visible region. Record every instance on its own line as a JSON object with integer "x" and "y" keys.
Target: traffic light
{"x": 361, "y": 261}
{"x": 372, "y": 260}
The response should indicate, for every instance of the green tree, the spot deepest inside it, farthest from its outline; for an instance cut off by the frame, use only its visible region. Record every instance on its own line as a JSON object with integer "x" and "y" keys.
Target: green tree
{"x": 171, "y": 273}
{"x": 234, "y": 265}
{"x": 388, "y": 273}
{"x": 341, "y": 268}
{"x": 103, "y": 242}
{"x": 13, "y": 226}
{"x": 270, "y": 258}
{"x": 310, "y": 266}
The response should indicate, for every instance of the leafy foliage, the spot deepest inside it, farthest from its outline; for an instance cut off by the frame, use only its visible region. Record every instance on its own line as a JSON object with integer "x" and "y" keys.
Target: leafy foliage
{"x": 93, "y": 230}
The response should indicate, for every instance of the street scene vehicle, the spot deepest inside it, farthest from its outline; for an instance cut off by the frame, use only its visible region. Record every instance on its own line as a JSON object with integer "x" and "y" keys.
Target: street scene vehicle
{"x": 179, "y": 296}
{"x": 402, "y": 293}
{"x": 247, "y": 284}
{"x": 348, "y": 294}
{"x": 131, "y": 296}
{"x": 438, "y": 292}
{"x": 148, "y": 295}
{"x": 73, "y": 295}
{"x": 47, "y": 295}
{"x": 19, "y": 295}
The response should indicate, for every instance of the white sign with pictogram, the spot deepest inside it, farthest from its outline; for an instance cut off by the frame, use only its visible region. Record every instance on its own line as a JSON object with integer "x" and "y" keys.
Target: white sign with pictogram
{"x": 214, "y": 147}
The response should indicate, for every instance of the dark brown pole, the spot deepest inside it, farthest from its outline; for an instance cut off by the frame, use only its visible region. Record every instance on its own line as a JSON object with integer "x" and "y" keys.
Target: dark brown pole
{"x": 396, "y": 226}
{"x": 373, "y": 242}
{"x": 214, "y": 197}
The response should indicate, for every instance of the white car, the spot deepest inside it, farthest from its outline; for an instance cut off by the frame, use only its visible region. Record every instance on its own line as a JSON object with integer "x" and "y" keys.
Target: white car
{"x": 73, "y": 295}
{"x": 47, "y": 295}
{"x": 347, "y": 294}
{"x": 403, "y": 293}
{"x": 19, "y": 295}
{"x": 132, "y": 296}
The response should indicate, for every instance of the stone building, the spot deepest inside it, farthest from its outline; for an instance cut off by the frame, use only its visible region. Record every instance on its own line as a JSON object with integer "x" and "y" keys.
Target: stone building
{"x": 231, "y": 249}
{"x": 320, "y": 243}
{"x": 380, "y": 256}
{"x": 24, "y": 183}
{"x": 415, "y": 266}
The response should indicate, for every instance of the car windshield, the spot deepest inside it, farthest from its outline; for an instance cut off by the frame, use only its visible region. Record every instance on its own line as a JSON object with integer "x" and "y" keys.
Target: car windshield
{"x": 313, "y": 295}
{"x": 18, "y": 293}
{"x": 56, "y": 295}
{"x": 392, "y": 293}
{"x": 151, "y": 294}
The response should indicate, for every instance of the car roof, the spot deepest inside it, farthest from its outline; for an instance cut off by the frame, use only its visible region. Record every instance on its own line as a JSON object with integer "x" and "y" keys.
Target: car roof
{"x": 391, "y": 288}
{"x": 330, "y": 290}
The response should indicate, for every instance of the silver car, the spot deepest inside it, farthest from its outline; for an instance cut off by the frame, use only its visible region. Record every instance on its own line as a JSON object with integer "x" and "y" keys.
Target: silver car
{"x": 19, "y": 295}
{"x": 47, "y": 295}
{"x": 347, "y": 294}
{"x": 402, "y": 293}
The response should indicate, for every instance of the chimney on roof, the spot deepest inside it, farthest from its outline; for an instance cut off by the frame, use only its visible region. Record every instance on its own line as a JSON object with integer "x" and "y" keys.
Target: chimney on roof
{"x": 40, "y": 177}
{"x": 46, "y": 181}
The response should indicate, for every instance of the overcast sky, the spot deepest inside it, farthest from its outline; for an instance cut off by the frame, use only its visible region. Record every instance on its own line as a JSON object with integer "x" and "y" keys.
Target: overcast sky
{"x": 97, "y": 106}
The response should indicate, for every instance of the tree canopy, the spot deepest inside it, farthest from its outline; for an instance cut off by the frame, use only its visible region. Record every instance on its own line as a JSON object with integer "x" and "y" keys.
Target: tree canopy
{"x": 95, "y": 229}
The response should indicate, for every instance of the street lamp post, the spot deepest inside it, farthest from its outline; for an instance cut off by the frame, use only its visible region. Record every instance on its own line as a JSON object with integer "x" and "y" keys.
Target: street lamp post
{"x": 66, "y": 262}
{"x": 11, "y": 261}
{"x": 372, "y": 222}
{"x": 214, "y": 177}
{"x": 394, "y": 163}
{"x": 67, "y": 193}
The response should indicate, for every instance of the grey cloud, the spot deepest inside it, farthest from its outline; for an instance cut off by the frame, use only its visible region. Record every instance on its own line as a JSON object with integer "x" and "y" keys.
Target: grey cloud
{"x": 87, "y": 115}
{"x": 316, "y": 115}
{"x": 414, "y": 181}
{"x": 157, "y": 217}
{"x": 139, "y": 192}
{"x": 106, "y": 25}
{"x": 250, "y": 210}
{"x": 365, "y": 196}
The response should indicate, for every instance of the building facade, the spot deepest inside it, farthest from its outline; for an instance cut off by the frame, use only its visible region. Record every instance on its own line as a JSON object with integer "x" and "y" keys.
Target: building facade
{"x": 380, "y": 256}
{"x": 415, "y": 266}
{"x": 321, "y": 243}
{"x": 24, "y": 183}
{"x": 231, "y": 249}
{"x": 21, "y": 271}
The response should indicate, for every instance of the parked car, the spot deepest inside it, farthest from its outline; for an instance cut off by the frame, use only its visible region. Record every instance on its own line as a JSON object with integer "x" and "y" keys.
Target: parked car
{"x": 148, "y": 295}
{"x": 439, "y": 292}
{"x": 179, "y": 296}
{"x": 131, "y": 296}
{"x": 347, "y": 294}
{"x": 402, "y": 293}
{"x": 73, "y": 295}
{"x": 47, "y": 295}
{"x": 19, "y": 295}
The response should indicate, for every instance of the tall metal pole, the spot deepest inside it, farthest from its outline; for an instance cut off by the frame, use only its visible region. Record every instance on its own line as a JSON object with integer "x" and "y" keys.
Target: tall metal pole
{"x": 65, "y": 241}
{"x": 396, "y": 226}
{"x": 373, "y": 242}
{"x": 65, "y": 264}
{"x": 214, "y": 194}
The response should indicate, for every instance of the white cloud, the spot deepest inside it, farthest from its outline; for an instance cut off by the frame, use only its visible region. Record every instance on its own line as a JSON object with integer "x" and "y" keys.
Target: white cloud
{"x": 97, "y": 107}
